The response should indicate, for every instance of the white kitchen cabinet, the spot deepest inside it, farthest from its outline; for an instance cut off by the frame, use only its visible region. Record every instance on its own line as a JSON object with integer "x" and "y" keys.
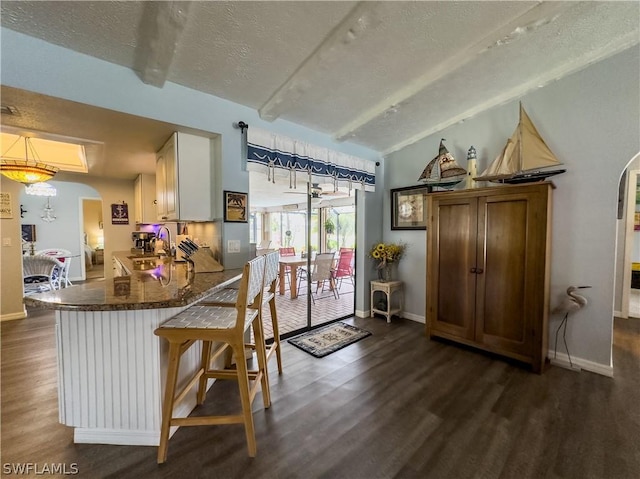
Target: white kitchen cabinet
{"x": 145, "y": 199}
{"x": 184, "y": 179}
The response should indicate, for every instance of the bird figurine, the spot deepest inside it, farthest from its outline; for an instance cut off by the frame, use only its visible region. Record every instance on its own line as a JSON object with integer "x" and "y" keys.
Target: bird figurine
{"x": 573, "y": 302}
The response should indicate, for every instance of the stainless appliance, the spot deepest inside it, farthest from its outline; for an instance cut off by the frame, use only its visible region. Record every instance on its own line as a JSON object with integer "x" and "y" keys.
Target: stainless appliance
{"x": 142, "y": 241}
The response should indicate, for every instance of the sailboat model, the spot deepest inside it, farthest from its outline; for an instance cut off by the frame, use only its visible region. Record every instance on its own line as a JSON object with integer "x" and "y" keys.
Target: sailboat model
{"x": 443, "y": 171}
{"x": 524, "y": 158}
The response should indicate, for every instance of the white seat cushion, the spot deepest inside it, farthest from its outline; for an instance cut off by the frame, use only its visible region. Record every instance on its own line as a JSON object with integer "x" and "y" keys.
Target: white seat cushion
{"x": 208, "y": 317}
{"x": 225, "y": 295}
{"x": 230, "y": 296}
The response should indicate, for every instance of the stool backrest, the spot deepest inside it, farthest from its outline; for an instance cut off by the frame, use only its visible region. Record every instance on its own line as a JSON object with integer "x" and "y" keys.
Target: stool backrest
{"x": 251, "y": 288}
{"x": 271, "y": 270}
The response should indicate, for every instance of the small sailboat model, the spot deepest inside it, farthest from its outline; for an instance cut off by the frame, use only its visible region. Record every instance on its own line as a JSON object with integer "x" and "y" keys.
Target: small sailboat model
{"x": 524, "y": 159}
{"x": 443, "y": 171}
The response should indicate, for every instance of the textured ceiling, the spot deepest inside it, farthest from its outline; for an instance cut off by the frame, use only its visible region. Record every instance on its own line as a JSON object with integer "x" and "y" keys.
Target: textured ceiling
{"x": 380, "y": 74}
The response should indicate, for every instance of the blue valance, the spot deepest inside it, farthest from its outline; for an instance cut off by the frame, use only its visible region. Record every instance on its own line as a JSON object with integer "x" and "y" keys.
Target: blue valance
{"x": 278, "y": 155}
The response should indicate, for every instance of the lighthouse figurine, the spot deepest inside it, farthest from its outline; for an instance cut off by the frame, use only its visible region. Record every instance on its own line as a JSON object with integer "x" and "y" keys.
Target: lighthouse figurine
{"x": 472, "y": 168}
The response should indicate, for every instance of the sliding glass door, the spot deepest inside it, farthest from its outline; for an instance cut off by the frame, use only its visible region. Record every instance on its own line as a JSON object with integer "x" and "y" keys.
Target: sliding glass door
{"x": 316, "y": 240}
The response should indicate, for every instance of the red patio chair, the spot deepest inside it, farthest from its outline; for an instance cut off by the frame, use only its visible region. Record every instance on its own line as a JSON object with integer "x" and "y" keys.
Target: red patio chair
{"x": 344, "y": 268}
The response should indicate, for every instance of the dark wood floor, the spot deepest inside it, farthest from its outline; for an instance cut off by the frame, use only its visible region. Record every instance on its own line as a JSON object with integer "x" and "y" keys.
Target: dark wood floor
{"x": 392, "y": 405}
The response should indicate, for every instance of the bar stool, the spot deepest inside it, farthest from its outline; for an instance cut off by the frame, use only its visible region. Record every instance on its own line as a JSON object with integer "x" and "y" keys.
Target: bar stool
{"x": 228, "y": 297}
{"x": 225, "y": 325}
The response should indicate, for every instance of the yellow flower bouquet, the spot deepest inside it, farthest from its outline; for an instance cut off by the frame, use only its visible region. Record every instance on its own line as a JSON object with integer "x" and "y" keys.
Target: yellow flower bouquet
{"x": 385, "y": 254}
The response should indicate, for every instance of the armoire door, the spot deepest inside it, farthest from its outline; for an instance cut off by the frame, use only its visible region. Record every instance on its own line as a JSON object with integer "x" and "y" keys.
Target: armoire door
{"x": 451, "y": 257}
{"x": 507, "y": 255}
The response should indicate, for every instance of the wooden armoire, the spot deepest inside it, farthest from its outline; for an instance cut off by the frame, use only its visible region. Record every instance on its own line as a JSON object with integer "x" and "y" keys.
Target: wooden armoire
{"x": 488, "y": 262}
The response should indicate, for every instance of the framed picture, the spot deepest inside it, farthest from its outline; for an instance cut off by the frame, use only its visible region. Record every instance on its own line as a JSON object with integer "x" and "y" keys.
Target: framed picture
{"x": 6, "y": 210}
{"x": 235, "y": 207}
{"x": 28, "y": 233}
{"x": 409, "y": 208}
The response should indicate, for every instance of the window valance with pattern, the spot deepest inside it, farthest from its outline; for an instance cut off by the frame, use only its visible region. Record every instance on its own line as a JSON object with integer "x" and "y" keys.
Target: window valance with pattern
{"x": 280, "y": 156}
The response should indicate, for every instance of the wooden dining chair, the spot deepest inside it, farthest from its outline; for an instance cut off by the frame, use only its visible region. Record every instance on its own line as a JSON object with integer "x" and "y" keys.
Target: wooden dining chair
{"x": 219, "y": 328}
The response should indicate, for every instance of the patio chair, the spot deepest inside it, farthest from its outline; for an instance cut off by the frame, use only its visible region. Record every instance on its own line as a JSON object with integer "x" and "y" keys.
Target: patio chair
{"x": 38, "y": 273}
{"x": 321, "y": 272}
{"x": 264, "y": 244}
{"x": 344, "y": 268}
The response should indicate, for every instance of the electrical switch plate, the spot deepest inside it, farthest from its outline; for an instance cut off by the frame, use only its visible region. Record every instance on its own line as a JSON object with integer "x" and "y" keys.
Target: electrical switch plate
{"x": 6, "y": 241}
{"x": 233, "y": 246}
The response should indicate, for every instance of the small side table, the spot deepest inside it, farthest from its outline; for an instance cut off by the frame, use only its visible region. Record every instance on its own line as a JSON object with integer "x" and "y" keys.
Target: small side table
{"x": 388, "y": 288}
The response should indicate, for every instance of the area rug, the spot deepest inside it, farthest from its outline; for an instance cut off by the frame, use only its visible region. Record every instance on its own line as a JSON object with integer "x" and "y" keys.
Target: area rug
{"x": 329, "y": 339}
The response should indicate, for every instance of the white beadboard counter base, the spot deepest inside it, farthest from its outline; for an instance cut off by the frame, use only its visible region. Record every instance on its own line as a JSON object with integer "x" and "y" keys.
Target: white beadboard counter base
{"x": 111, "y": 367}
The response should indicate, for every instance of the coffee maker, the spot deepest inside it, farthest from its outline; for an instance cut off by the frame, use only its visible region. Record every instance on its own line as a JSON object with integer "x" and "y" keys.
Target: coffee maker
{"x": 142, "y": 241}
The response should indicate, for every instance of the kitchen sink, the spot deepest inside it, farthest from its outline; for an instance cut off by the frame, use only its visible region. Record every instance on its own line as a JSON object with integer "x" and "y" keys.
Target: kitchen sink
{"x": 145, "y": 263}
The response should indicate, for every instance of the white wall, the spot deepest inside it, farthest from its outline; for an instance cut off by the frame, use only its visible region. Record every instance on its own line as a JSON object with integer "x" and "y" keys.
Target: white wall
{"x": 591, "y": 121}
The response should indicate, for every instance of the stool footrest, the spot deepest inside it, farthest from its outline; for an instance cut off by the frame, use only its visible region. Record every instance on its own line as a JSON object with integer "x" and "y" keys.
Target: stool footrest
{"x": 206, "y": 420}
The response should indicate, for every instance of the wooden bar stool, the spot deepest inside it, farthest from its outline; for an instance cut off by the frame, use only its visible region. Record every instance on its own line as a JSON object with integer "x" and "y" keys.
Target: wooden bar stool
{"x": 228, "y": 297}
{"x": 219, "y": 328}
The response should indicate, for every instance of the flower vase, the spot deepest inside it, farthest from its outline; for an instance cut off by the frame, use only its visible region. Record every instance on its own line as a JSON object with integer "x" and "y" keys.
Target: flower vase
{"x": 386, "y": 272}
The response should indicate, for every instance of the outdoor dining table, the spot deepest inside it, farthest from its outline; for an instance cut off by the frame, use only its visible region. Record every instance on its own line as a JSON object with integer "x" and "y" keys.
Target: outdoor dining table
{"x": 293, "y": 262}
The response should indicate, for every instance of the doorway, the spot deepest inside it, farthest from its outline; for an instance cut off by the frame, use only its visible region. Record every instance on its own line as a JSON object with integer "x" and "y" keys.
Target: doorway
{"x": 317, "y": 284}
{"x": 92, "y": 238}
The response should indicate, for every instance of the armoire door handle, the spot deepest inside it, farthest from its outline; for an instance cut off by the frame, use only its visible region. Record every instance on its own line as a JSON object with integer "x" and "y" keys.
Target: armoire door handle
{"x": 474, "y": 270}
{"x": 479, "y": 271}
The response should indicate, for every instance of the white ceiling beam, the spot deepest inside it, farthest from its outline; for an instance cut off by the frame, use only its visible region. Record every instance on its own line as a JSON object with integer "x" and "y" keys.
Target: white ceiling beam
{"x": 159, "y": 35}
{"x": 359, "y": 20}
{"x": 502, "y": 35}
{"x": 616, "y": 46}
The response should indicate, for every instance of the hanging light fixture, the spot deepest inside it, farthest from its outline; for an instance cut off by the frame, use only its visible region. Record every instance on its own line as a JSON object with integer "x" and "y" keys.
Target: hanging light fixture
{"x": 28, "y": 169}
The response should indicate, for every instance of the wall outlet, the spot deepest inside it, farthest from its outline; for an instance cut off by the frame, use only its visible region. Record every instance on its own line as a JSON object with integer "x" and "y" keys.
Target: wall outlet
{"x": 233, "y": 246}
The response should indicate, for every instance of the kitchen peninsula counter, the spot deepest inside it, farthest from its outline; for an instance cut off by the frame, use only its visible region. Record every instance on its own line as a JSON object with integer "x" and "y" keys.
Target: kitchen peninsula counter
{"x": 111, "y": 366}
{"x": 152, "y": 283}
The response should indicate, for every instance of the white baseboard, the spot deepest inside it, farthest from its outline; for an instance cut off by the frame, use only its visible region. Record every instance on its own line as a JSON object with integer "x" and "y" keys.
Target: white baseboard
{"x": 12, "y": 316}
{"x": 119, "y": 437}
{"x": 562, "y": 360}
{"x": 130, "y": 437}
{"x": 410, "y": 316}
{"x": 413, "y": 317}
{"x": 618, "y": 314}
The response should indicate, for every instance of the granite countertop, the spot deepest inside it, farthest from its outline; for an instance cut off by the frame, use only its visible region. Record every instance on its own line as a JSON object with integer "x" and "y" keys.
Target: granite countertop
{"x": 152, "y": 283}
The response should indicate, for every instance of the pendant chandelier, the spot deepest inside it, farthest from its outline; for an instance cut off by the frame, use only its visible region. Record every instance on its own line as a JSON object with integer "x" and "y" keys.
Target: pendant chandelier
{"x": 28, "y": 169}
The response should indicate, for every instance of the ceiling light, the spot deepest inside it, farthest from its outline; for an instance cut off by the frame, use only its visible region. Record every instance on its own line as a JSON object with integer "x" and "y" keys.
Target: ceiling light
{"x": 41, "y": 189}
{"x": 28, "y": 169}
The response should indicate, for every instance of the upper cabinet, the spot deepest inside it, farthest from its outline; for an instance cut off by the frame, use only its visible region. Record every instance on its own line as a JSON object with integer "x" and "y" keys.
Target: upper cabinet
{"x": 184, "y": 179}
{"x": 145, "y": 199}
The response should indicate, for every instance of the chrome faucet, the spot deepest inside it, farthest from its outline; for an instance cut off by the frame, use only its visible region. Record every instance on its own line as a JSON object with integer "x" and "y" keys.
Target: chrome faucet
{"x": 166, "y": 243}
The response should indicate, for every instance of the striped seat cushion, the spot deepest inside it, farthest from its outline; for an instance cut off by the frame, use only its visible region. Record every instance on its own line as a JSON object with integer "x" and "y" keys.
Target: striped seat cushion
{"x": 208, "y": 317}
